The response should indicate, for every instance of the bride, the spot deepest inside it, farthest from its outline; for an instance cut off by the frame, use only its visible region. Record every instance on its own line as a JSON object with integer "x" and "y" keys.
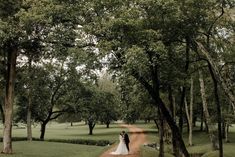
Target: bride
{"x": 121, "y": 149}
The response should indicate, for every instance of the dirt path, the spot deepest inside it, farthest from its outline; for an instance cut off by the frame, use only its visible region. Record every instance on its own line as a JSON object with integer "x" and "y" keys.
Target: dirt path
{"x": 137, "y": 138}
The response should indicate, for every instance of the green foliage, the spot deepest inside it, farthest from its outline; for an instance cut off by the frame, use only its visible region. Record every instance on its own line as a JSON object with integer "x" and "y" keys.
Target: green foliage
{"x": 9, "y": 8}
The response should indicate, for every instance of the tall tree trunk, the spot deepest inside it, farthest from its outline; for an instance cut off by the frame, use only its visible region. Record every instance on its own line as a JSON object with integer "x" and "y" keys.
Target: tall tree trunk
{"x": 224, "y": 84}
{"x": 176, "y": 151}
{"x": 9, "y": 98}
{"x": 211, "y": 128}
{"x": 155, "y": 94}
{"x": 218, "y": 111}
{"x": 171, "y": 99}
{"x": 173, "y": 127}
{"x": 29, "y": 112}
{"x": 181, "y": 114}
{"x": 158, "y": 102}
{"x": 189, "y": 113}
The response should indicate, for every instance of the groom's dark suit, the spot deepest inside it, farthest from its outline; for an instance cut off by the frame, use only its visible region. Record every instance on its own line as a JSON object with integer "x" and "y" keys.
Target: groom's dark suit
{"x": 127, "y": 140}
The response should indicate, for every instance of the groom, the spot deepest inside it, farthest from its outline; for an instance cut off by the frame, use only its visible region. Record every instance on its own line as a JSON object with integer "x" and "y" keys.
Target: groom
{"x": 126, "y": 139}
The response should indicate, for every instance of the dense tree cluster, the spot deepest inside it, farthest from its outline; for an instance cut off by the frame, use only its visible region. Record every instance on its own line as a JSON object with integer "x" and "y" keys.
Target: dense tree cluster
{"x": 171, "y": 61}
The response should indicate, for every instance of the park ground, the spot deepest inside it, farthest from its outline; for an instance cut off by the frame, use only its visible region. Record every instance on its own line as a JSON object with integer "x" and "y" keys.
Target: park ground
{"x": 140, "y": 134}
{"x": 137, "y": 139}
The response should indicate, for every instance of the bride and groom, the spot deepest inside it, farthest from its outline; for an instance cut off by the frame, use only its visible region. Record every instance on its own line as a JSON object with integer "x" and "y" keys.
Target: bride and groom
{"x": 123, "y": 146}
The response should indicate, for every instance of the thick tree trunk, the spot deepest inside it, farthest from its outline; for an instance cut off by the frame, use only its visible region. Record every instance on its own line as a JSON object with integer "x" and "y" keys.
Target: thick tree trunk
{"x": 176, "y": 151}
{"x": 29, "y": 112}
{"x": 173, "y": 127}
{"x": 91, "y": 127}
{"x": 227, "y": 88}
{"x": 155, "y": 94}
{"x": 107, "y": 124}
{"x": 218, "y": 111}
{"x": 9, "y": 98}
{"x": 171, "y": 99}
{"x": 211, "y": 128}
{"x": 43, "y": 130}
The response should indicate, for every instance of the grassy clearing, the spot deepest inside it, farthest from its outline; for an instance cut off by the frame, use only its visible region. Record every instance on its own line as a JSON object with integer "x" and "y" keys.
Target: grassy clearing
{"x": 51, "y": 149}
{"x": 63, "y": 132}
{"x": 78, "y": 131}
{"x": 150, "y": 152}
{"x": 201, "y": 142}
{"x": 150, "y": 130}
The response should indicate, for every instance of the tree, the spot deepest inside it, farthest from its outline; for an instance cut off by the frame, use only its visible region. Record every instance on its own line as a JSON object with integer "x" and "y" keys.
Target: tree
{"x": 53, "y": 94}
{"x": 211, "y": 128}
{"x": 10, "y": 48}
{"x": 91, "y": 105}
{"x": 189, "y": 113}
{"x": 139, "y": 49}
{"x": 111, "y": 99}
{"x": 23, "y": 22}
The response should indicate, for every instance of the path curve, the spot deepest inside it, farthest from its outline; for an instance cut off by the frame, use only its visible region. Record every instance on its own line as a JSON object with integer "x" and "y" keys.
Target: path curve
{"x": 137, "y": 138}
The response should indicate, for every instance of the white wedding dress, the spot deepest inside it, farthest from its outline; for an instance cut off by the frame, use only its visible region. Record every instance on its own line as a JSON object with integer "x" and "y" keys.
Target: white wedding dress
{"x": 121, "y": 149}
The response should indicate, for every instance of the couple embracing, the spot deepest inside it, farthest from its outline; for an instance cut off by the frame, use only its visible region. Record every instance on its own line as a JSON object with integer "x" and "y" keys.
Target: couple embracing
{"x": 123, "y": 146}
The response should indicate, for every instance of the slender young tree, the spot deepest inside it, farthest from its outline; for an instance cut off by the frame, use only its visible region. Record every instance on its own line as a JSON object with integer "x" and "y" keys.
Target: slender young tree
{"x": 189, "y": 113}
{"x": 218, "y": 107}
{"x": 211, "y": 128}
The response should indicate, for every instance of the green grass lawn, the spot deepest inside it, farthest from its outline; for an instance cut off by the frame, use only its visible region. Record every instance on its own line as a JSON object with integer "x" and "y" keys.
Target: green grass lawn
{"x": 80, "y": 131}
{"x": 201, "y": 142}
{"x": 150, "y": 130}
{"x": 150, "y": 152}
{"x": 51, "y": 149}
{"x": 63, "y": 131}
